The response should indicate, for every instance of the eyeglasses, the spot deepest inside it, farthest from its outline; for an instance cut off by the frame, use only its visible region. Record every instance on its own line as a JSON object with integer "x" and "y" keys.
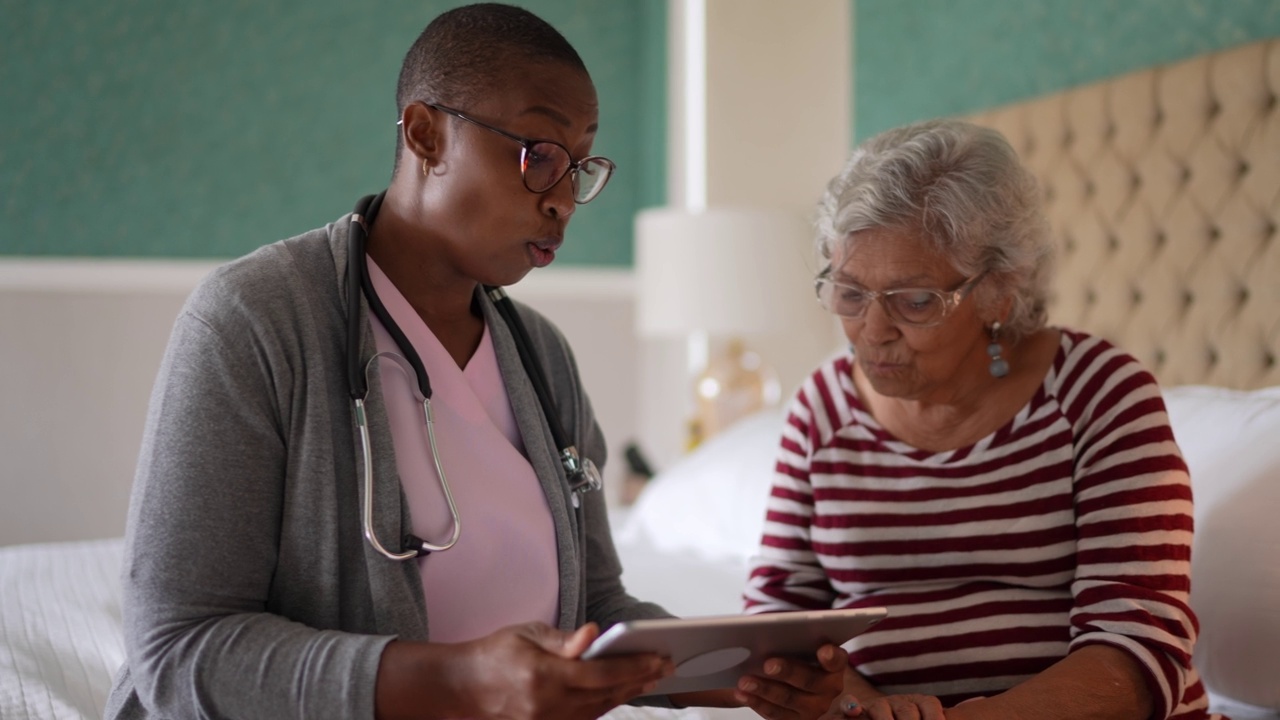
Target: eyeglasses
{"x": 543, "y": 163}
{"x": 917, "y": 307}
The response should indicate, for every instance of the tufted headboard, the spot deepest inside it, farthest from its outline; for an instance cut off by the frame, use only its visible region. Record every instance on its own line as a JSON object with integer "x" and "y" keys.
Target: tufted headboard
{"x": 1163, "y": 193}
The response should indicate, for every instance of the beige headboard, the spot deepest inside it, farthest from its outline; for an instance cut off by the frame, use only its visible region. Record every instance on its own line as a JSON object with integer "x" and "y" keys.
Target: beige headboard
{"x": 1163, "y": 191}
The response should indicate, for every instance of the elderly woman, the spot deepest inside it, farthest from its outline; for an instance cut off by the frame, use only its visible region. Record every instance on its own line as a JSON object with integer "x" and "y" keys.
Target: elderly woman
{"x": 1011, "y": 491}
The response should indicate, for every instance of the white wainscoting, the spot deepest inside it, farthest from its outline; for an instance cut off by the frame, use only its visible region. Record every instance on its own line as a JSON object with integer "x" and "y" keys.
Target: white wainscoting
{"x": 81, "y": 341}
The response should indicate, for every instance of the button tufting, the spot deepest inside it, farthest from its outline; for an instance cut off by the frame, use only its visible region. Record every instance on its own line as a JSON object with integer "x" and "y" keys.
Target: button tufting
{"x": 1194, "y": 177}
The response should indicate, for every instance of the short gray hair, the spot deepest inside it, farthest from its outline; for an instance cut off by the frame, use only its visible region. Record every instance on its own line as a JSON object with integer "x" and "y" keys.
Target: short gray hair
{"x": 965, "y": 189}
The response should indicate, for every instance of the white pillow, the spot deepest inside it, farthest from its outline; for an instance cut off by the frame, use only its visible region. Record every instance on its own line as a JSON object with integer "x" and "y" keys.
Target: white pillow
{"x": 711, "y": 503}
{"x": 1231, "y": 441}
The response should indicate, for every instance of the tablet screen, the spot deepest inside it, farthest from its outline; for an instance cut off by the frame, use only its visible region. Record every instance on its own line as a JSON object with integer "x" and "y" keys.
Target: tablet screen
{"x": 714, "y": 651}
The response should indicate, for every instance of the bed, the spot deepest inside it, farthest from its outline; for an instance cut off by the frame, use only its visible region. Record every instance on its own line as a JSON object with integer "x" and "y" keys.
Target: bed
{"x": 1163, "y": 188}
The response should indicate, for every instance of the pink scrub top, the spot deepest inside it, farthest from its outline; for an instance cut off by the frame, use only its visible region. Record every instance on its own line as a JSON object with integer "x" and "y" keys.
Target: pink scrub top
{"x": 504, "y": 569}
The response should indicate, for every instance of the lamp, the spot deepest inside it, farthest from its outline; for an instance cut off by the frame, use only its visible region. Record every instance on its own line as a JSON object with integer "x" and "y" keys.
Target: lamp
{"x": 720, "y": 275}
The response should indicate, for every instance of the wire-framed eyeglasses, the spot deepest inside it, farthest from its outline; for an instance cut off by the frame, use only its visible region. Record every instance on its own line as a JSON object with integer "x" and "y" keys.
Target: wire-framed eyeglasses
{"x": 543, "y": 163}
{"x": 916, "y": 307}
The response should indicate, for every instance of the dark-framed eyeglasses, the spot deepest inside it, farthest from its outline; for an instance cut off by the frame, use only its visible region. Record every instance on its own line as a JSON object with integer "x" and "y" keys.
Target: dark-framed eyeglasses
{"x": 916, "y": 307}
{"x": 543, "y": 163}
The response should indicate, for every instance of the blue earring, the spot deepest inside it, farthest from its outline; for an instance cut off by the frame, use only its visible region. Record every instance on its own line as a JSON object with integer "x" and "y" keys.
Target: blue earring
{"x": 999, "y": 367}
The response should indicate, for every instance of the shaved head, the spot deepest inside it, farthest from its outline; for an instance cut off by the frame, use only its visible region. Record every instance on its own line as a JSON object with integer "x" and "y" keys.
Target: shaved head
{"x": 468, "y": 52}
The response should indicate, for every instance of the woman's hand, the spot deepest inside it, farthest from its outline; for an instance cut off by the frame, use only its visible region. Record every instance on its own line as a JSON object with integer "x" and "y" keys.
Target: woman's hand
{"x": 889, "y": 707}
{"x": 791, "y": 689}
{"x": 533, "y": 671}
{"x": 522, "y": 672}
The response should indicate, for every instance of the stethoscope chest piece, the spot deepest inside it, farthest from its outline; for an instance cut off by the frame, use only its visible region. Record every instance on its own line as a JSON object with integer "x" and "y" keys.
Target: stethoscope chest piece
{"x": 582, "y": 474}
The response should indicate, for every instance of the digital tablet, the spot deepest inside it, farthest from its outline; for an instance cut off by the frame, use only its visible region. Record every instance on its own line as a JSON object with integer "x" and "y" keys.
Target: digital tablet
{"x": 714, "y": 651}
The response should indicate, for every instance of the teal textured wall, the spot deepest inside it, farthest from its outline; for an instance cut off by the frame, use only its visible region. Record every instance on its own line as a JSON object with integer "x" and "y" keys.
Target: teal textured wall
{"x": 927, "y": 58}
{"x": 206, "y": 129}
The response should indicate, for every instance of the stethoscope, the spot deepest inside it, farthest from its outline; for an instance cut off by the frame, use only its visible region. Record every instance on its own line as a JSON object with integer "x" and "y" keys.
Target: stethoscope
{"x": 581, "y": 473}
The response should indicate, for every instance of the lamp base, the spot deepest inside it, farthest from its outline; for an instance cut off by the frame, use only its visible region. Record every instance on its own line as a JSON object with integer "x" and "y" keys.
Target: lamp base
{"x": 735, "y": 383}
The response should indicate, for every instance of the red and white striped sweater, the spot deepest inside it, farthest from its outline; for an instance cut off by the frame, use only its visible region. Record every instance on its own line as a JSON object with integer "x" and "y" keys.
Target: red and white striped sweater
{"x": 1070, "y": 525}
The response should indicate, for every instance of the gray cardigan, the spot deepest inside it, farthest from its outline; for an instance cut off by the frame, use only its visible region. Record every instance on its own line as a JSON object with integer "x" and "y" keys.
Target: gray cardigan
{"x": 248, "y": 588}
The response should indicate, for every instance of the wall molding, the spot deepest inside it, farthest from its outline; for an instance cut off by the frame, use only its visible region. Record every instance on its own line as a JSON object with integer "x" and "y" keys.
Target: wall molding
{"x": 121, "y": 275}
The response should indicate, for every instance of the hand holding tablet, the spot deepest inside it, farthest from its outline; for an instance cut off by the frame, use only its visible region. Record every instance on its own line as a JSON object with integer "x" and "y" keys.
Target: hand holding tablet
{"x": 713, "y": 652}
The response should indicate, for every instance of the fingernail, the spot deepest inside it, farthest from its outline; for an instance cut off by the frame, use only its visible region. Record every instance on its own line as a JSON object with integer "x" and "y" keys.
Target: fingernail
{"x": 850, "y": 704}
{"x": 749, "y": 685}
{"x": 773, "y": 667}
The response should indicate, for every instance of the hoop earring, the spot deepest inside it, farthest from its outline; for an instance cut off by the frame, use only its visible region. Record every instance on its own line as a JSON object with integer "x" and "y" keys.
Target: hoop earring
{"x": 424, "y": 167}
{"x": 999, "y": 367}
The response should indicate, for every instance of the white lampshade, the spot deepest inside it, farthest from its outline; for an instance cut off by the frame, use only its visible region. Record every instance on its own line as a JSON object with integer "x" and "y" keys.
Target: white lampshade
{"x": 723, "y": 271}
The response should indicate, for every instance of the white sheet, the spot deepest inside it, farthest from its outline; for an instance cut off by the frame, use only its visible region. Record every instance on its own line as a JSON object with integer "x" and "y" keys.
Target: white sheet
{"x": 60, "y": 625}
{"x": 60, "y": 640}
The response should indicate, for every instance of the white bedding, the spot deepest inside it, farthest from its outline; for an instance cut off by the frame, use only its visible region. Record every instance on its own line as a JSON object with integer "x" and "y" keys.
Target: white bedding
{"x": 60, "y": 625}
{"x": 60, "y": 641}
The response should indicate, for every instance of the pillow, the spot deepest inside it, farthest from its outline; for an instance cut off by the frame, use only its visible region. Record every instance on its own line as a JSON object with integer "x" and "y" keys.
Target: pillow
{"x": 1230, "y": 441}
{"x": 711, "y": 503}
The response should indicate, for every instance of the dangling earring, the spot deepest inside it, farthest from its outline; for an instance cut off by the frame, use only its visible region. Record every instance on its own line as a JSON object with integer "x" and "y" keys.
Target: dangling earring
{"x": 424, "y": 167}
{"x": 999, "y": 367}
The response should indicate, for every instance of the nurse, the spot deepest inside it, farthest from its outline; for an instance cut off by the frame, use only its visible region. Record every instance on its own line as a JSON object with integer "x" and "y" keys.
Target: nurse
{"x": 251, "y": 588}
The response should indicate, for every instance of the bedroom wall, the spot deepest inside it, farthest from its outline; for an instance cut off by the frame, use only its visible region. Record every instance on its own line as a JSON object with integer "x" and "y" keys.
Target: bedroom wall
{"x": 929, "y": 58}
{"x": 144, "y": 142}
{"x": 146, "y": 128}
{"x": 84, "y": 319}
{"x": 90, "y": 155}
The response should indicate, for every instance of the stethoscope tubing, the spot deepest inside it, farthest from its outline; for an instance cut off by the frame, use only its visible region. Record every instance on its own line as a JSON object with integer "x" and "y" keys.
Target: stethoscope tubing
{"x": 580, "y": 472}
{"x": 421, "y": 546}
{"x": 367, "y": 518}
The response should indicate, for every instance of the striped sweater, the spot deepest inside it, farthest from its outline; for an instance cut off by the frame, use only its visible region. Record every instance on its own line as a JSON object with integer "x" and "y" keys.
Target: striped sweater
{"x": 1070, "y": 525}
